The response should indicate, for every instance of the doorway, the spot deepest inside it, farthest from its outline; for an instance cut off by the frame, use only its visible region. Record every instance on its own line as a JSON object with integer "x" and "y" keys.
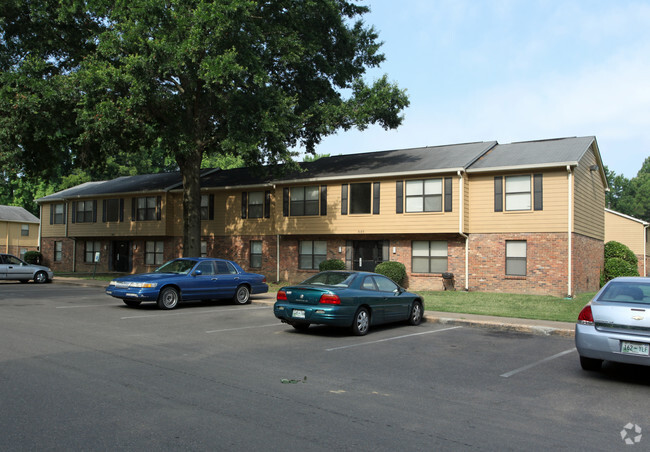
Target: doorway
{"x": 366, "y": 254}
{"x": 121, "y": 256}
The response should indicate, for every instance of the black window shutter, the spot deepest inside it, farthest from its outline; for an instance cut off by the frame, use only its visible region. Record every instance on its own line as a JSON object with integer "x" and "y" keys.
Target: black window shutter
{"x": 134, "y": 201}
{"x": 448, "y": 194}
{"x": 121, "y": 210}
{"x": 344, "y": 199}
{"x": 104, "y": 211}
{"x": 498, "y": 194}
{"x": 285, "y": 201}
{"x": 211, "y": 207}
{"x": 267, "y": 204}
{"x": 539, "y": 204}
{"x": 158, "y": 208}
{"x": 375, "y": 198}
{"x": 399, "y": 196}
{"x": 95, "y": 211}
{"x": 52, "y": 213}
{"x": 74, "y": 211}
{"x": 244, "y": 204}
{"x": 323, "y": 199}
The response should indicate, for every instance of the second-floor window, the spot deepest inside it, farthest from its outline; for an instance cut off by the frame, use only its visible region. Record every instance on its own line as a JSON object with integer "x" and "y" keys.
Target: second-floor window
{"x": 256, "y": 204}
{"x": 518, "y": 193}
{"x": 360, "y": 198}
{"x": 207, "y": 207}
{"x": 304, "y": 201}
{"x": 113, "y": 210}
{"x": 147, "y": 208}
{"x": 57, "y": 214}
{"x": 424, "y": 195}
{"x": 84, "y": 211}
{"x": 24, "y": 230}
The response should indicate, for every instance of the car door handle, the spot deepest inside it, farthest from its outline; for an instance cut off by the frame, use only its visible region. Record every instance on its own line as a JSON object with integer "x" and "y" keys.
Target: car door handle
{"x": 214, "y": 279}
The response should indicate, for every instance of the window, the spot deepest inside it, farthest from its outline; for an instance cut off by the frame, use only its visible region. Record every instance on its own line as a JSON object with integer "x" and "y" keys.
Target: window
{"x": 147, "y": 209}
{"x": 304, "y": 201}
{"x": 311, "y": 254}
{"x": 58, "y": 251}
{"x": 113, "y": 210}
{"x": 360, "y": 198}
{"x": 84, "y": 211}
{"x": 57, "y": 214}
{"x": 256, "y": 254}
{"x": 153, "y": 253}
{"x": 207, "y": 207}
{"x": 424, "y": 195}
{"x": 206, "y": 268}
{"x": 91, "y": 249}
{"x": 24, "y": 230}
{"x": 516, "y": 257}
{"x": 204, "y": 248}
{"x": 256, "y": 204}
{"x": 518, "y": 193}
{"x": 225, "y": 268}
{"x": 429, "y": 256}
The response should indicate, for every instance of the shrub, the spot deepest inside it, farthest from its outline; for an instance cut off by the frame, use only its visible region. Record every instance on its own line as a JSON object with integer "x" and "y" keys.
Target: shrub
{"x": 331, "y": 264}
{"x": 615, "y": 267}
{"x": 33, "y": 257}
{"x": 394, "y": 270}
{"x": 618, "y": 250}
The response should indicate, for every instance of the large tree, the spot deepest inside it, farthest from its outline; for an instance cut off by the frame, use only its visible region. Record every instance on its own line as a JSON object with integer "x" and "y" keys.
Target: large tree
{"x": 250, "y": 78}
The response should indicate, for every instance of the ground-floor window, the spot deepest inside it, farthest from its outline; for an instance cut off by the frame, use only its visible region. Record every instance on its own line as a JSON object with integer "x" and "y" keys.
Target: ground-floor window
{"x": 153, "y": 254}
{"x": 429, "y": 256}
{"x": 516, "y": 257}
{"x": 58, "y": 251}
{"x": 311, "y": 254}
{"x": 204, "y": 248}
{"x": 256, "y": 254}
{"x": 91, "y": 248}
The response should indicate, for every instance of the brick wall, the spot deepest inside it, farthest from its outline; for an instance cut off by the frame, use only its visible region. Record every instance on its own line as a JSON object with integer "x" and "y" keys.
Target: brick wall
{"x": 588, "y": 262}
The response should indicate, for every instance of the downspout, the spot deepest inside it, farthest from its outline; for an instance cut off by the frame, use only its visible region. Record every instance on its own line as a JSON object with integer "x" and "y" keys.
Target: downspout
{"x": 645, "y": 244}
{"x": 570, "y": 238}
{"x": 460, "y": 226}
{"x": 40, "y": 228}
{"x": 277, "y": 257}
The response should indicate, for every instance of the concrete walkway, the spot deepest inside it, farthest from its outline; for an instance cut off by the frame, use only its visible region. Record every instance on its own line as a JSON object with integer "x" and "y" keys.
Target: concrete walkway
{"x": 541, "y": 327}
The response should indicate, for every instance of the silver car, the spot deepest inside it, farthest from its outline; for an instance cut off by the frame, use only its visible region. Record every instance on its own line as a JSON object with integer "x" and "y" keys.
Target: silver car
{"x": 16, "y": 269}
{"x": 615, "y": 325}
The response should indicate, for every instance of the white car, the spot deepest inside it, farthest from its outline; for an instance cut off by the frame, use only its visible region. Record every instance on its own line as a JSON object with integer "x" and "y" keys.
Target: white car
{"x": 16, "y": 269}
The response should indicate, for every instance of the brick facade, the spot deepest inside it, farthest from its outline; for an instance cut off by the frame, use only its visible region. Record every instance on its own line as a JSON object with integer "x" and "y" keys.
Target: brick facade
{"x": 588, "y": 262}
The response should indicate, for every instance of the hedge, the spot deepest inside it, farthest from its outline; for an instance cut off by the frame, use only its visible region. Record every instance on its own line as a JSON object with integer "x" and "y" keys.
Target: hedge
{"x": 616, "y": 249}
{"x": 331, "y": 264}
{"x": 394, "y": 270}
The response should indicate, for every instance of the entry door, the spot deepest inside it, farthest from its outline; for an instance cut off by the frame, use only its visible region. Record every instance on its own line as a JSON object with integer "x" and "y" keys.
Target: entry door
{"x": 367, "y": 254}
{"x": 122, "y": 256}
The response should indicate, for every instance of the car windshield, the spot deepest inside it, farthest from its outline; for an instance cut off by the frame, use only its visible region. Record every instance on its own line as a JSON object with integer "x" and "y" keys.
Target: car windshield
{"x": 178, "y": 266}
{"x": 340, "y": 279}
{"x": 629, "y": 292}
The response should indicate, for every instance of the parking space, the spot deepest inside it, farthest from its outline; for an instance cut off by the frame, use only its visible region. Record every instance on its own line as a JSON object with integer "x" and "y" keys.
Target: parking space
{"x": 214, "y": 375}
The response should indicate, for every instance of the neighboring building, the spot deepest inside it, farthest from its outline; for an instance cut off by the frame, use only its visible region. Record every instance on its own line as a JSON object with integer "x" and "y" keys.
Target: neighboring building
{"x": 631, "y": 232}
{"x": 521, "y": 217}
{"x": 18, "y": 231}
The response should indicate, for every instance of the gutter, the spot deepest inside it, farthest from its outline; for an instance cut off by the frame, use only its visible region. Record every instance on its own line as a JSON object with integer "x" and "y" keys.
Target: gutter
{"x": 570, "y": 236}
{"x": 460, "y": 226}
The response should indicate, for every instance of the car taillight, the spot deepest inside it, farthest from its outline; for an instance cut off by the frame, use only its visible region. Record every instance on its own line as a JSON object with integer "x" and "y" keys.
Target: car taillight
{"x": 330, "y": 298}
{"x": 282, "y": 295}
{"x": 586, "y": 317}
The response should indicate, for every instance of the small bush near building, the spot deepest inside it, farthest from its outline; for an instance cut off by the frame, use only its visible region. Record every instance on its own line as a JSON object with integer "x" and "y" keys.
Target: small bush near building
{"x": 331, "y": 264}
{"x": 615, "y": 267}
{"x": 394, "y": 270}
{"x": 33, "y": 257}
{"x": 618, "y": 250}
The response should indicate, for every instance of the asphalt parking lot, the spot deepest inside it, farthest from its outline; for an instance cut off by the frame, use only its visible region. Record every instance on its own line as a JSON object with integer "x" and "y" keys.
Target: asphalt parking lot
{"x": 82, "y": 371}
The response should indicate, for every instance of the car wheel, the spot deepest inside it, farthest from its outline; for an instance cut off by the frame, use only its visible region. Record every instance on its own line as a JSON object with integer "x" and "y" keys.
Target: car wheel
{"x": 40, "y": 277}
{"x": 300, "y": 326}
{"x": 361, "y": 322}
{"x": 590, "y": 363}
{"x": 168, "y": 298}
{"x": 415, "y": 317}
{"x": 243, "y": 295}
{"x": 131, "y": 303}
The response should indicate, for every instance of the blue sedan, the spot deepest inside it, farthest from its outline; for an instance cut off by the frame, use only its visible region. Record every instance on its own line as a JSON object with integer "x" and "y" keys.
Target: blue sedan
{"x": 188, "y": 279}
{"x": 348, "y": 299}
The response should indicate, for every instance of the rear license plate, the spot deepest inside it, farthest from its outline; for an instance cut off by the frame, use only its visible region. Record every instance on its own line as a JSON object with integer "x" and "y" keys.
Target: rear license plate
{"x": 298, "y": 314}
{"x": 635, "y": 348}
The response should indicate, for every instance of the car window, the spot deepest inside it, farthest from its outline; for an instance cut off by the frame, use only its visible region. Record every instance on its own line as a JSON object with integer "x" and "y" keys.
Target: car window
{"x": 626, "y": 292}
{"x": 2, "y": 260}
{"x": 12, "y": 260}
{"x": 385, "y": 284}
{"x": 225, "y": 268}
{"x": 207, "y": 268}
{"x": 341, "y": 279}
{"x": 368, "y": 283}
{"x": 179, "y": 266}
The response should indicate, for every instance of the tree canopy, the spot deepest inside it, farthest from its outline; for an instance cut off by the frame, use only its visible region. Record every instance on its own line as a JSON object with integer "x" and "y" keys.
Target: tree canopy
{"x": 630, "y": 196}
{"x": 85, "y": 81}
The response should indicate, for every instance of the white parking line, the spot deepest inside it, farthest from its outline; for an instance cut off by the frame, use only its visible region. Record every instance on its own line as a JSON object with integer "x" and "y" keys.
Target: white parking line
{"x": 550, "y": 358}
{"x": 190, "y": 312}
{"x": 391, "y": 339}
{"x": 245, "y": 328}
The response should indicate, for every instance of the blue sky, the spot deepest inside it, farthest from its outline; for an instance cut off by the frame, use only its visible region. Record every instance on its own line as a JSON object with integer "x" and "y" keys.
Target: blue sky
{"x": 514, "y": 70}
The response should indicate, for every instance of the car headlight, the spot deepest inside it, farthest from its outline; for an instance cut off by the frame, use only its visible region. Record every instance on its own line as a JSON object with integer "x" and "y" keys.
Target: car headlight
{"x": 112, "y": 283}
{"x": 143, "y": 285}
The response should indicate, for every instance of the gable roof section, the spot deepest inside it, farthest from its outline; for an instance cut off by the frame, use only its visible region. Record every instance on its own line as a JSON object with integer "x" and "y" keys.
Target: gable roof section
{"x": 16, "y": 214}
{"x": 534, "y": 154}
{"x": 627, "y": 217}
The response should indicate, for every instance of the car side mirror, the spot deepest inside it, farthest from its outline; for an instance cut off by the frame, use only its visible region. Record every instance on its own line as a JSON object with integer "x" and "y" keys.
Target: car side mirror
{"x": 198, "y": 273}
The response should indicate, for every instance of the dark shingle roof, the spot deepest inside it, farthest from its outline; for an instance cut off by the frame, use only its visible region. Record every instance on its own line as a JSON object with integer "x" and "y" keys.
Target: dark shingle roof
{"x": 17, "y": 215}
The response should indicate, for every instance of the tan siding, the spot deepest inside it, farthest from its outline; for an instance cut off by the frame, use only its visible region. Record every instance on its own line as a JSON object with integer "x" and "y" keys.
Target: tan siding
{"x": 626, "y": 231}
{"x": 589, "y": 199}
{"x": 51, "y": 230}
{"x": 553, "y": 217}
{"x": 11, "y": 236}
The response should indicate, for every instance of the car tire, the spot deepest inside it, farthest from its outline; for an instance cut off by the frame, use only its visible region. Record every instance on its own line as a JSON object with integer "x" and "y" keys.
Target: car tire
{"x": 168, "y": 298}
{"x": 361, "y": 322}
{"x": 132, "y": 303}
{"x": 415, "y": 316}
{"x": 40, "y": 277}
{"x": 242, "y": 295}
{"x": 300, "y": 326}
{"x": 590, "y": 363}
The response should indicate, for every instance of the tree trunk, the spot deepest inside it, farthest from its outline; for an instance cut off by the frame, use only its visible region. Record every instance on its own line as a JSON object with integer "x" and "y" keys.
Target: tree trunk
{"x": 190, "y": 167}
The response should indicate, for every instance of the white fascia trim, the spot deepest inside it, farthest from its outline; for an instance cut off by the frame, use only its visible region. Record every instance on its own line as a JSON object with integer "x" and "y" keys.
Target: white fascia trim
{"x": 521, "y": 167}
{"x": 645, "y": 223}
